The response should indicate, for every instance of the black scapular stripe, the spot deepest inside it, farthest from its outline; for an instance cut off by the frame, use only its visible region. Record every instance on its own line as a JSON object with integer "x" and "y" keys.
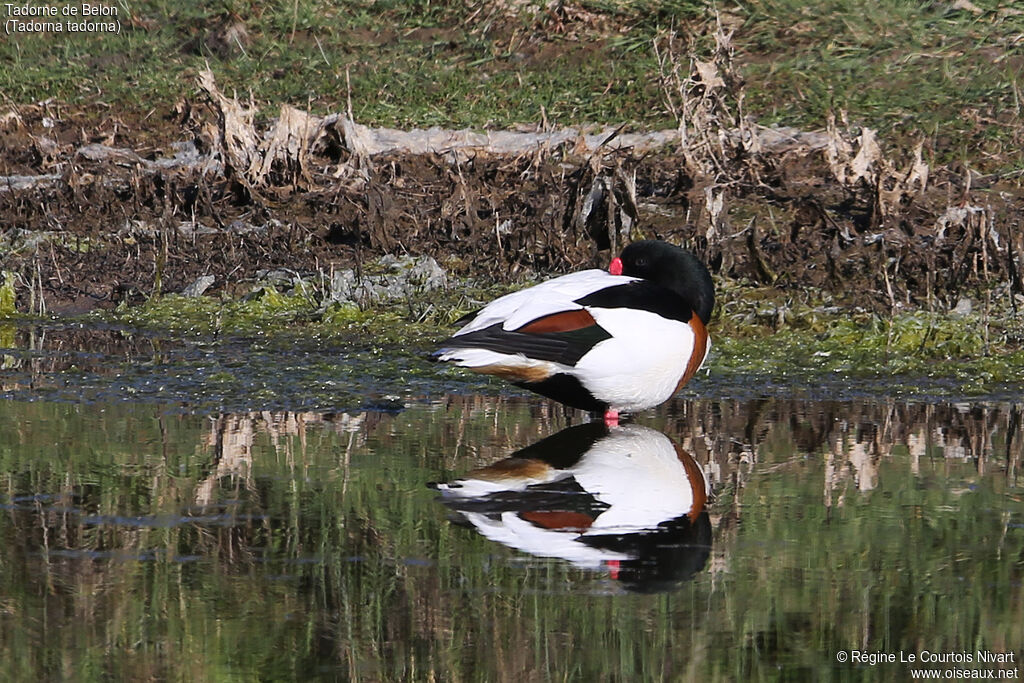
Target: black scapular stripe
{"x": 559, "y": 347}
{"x": 642, "y": 295}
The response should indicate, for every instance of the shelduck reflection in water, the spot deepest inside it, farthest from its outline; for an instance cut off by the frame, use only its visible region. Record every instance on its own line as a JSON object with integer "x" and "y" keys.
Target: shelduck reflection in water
{"x": 622, "y": 499}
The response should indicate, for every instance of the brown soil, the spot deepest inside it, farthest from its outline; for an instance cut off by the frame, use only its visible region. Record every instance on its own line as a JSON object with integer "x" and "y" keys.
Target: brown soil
{"x": 117, "y": 231}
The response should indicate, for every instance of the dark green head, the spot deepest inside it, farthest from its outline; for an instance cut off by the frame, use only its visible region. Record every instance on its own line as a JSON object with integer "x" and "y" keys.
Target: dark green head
{"x": 673, "y": 268}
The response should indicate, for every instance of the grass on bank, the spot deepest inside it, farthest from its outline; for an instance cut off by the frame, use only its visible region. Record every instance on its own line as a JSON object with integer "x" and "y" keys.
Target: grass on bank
{"x": 917, "y": 69}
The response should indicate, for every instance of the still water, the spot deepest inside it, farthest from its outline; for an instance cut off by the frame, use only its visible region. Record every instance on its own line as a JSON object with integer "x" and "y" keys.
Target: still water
{"x": 472, "y": 537}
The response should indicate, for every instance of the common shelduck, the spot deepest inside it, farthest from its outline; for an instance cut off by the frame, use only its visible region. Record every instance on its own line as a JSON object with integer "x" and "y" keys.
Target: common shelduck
{"x": 625, "y": 339}
{"x": 626, "y": 499}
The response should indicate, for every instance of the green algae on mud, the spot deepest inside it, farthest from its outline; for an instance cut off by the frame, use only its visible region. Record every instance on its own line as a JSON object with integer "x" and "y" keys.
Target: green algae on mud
{"x": 816, "y": 342}
{"x": 290, "y": 349}
{"x": 766, "y": 340}
{"x": 307, "y": 308}
{"x": 760, "y": 338}
{"x": 92, "y": 362}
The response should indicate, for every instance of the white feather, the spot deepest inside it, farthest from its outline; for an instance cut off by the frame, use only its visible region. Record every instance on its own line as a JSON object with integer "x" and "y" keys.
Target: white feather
{"x": 641, "y": 364}
{"x": 638, "y": 473}
{"x": 514, "y": 532}
{"x": 553, "y": 296}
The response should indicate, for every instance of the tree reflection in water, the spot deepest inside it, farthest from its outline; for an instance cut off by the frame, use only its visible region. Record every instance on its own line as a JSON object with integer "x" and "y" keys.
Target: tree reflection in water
{"x": 140, "y": 543}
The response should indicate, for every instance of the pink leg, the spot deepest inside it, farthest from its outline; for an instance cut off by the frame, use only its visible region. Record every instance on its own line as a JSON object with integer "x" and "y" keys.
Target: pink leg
{"x": 611, "y": 418}
{"x": 613, "y": 568}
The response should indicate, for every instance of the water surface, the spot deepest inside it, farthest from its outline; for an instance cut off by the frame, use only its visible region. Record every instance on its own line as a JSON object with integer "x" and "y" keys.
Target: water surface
{"x": 711, "y": 539}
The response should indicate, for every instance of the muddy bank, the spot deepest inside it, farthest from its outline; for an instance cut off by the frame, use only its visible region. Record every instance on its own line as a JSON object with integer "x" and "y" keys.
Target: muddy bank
{"x": 55, "y": 361}
{"x": 91, "y": 225}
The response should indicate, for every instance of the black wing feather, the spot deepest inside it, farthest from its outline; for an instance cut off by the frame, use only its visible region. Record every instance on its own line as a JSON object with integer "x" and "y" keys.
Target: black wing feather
{"x": 558, "y": 347}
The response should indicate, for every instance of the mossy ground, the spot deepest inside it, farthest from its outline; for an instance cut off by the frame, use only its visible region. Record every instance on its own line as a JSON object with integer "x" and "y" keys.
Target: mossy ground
{"x": 807, "y": 339}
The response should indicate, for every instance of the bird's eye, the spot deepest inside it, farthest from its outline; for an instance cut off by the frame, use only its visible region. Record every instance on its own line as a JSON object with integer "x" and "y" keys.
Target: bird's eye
{"x": 641, "y": 262}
